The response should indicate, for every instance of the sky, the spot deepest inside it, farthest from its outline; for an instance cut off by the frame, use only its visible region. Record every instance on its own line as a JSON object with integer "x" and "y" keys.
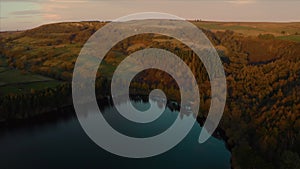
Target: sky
{"x": 26, "y": 14}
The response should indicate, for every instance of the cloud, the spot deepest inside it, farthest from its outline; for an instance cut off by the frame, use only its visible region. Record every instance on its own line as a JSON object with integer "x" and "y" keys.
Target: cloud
{"x": 25, "y": 22}
{"x": 26, "y": 12}
{"x": 22, "y": 0}
{"x": 56, "y": 1}
{"x": 24, "y": 16}
{"x": 69, "y": 1}
{"x": 242, "y": 1}
{"x": 52, "y": 16}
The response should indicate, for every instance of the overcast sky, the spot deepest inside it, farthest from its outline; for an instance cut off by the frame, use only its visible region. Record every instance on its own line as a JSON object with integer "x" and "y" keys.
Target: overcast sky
{"x": 25, "y": 14}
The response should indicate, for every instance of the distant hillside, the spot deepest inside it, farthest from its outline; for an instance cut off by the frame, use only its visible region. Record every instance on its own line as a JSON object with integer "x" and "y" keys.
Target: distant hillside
{"x": 52, "y": 49}
{"x": 254, "y": 28}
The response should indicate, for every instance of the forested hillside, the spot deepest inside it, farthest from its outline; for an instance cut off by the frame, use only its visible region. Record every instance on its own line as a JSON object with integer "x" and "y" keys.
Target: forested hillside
{"x": 261, "y": 121}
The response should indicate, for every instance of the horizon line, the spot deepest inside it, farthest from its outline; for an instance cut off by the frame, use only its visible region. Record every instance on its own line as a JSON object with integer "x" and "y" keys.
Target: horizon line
{"x": 190, "y": 20}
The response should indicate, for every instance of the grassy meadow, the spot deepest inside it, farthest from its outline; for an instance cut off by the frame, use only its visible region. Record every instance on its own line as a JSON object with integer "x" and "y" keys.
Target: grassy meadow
{"x": 253, "y": 28}
{"x": 18, "y": 81}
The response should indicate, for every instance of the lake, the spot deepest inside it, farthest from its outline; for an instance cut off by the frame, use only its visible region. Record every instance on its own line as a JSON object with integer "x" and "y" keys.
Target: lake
{"x": 62, "y": 143}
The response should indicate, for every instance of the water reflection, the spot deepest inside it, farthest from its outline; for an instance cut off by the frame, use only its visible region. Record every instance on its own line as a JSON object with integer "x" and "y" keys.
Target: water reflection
{"x": 60, "y": 142}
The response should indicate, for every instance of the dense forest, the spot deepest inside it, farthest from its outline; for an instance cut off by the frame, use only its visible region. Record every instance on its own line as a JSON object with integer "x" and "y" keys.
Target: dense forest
{"x": 261, "y": 121}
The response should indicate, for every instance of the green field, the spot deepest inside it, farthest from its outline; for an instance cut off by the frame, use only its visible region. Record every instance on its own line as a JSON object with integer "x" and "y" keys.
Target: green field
{"x": 221, "y": 26}
{"x": 254, "y": 28}
{"x": 295, "y": 38}
{"x": 16, "y": 81}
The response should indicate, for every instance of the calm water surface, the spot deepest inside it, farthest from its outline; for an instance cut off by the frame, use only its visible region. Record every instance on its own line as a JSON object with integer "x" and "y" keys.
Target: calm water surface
{"x": 63, "y": 144}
